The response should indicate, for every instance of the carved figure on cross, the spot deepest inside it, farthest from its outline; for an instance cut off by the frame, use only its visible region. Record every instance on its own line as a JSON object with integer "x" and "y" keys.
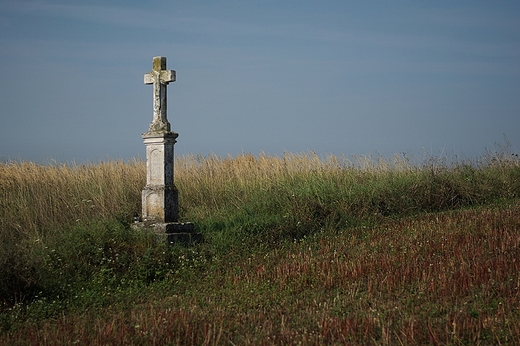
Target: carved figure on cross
{"x": 159, "y": 76}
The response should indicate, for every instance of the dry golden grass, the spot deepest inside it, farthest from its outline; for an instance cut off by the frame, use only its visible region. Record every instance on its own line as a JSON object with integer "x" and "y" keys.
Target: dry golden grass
{"x": 35, "y": 197}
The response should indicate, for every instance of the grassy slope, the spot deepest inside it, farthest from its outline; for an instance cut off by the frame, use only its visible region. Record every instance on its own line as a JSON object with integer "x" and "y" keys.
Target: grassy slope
{"x": 297, "y": 250}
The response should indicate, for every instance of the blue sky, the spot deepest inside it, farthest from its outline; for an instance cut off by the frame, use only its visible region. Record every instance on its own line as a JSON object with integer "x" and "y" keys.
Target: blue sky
{"x": 335, "y": 77}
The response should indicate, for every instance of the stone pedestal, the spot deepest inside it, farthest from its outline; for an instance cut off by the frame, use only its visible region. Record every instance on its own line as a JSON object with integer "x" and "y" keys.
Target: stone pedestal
{"x": 160, "y": 198}
{"x": 172, "y": 232}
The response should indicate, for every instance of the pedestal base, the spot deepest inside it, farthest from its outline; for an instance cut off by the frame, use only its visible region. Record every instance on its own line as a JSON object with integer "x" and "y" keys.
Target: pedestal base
{"x": 172, "y": 232}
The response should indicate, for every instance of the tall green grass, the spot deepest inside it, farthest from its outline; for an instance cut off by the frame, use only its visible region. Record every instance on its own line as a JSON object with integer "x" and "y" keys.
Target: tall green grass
{"x": 44, "y": 206}
{"x": 295, "y": 195}
{"x": 66, "y": 246}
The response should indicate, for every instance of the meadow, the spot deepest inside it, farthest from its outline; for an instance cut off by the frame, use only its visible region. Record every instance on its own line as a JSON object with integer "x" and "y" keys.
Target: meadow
{"x": 297, "y": 249}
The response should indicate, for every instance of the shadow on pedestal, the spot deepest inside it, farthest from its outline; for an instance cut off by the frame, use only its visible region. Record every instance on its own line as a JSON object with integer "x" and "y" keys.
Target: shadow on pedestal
{"x": 172, "y": 232}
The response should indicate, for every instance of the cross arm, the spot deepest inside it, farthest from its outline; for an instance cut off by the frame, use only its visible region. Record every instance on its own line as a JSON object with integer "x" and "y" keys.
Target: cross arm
{"x": 164, "y": 77}
{"x": 148, "y": 78}
{"x": 167, "y": 76}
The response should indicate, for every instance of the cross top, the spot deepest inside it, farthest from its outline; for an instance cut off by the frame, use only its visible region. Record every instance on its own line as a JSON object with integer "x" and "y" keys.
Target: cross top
{"x": 159, "y": 76}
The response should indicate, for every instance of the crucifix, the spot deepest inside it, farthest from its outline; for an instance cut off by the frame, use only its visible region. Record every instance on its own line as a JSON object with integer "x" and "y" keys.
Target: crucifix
{"x": 159, "y": 76}
{"x": 160, "y": 198}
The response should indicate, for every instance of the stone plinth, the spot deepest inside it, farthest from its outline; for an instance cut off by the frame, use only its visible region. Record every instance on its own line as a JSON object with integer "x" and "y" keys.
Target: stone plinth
{"x": 172, "y": 232}
{"x": 160, "y": 197}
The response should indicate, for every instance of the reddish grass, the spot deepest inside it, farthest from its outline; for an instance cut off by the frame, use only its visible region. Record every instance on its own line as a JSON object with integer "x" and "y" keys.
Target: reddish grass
{"x": 448, "y": 278}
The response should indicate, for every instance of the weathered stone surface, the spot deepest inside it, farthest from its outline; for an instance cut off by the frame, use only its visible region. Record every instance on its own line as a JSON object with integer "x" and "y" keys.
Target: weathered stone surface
{"x": 159, "y": 76}
{"x": 172, "y": 232}
{"x": 160, "y": 198}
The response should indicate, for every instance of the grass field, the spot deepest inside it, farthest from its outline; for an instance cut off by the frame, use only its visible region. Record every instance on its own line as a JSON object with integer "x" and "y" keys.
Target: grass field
{"x": 297, "y": 250}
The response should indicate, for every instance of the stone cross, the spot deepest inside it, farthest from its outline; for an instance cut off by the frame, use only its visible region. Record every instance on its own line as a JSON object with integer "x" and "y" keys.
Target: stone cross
{"x": 160, "y": 198}
{"x": 159, "y": 76}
